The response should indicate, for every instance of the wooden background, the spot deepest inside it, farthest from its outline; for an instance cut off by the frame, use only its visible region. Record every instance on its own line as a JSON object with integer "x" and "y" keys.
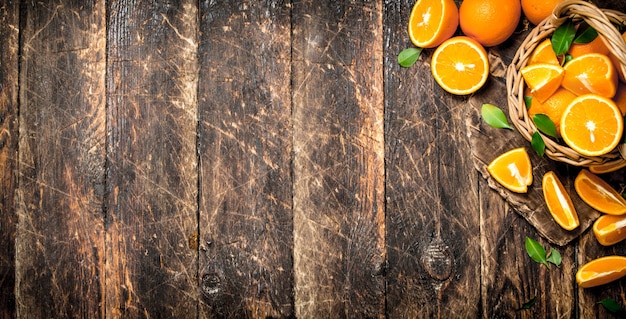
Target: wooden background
{"x": 253, "y": 159}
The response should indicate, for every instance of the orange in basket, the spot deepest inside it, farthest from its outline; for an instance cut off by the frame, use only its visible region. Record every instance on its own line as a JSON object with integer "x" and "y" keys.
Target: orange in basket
{"x": 559, "y": 202}
{"x": 595, "y": 46}
{"x": 553, "y": 107}
{"x": 610, "y": 229}
{"x": 591, "y": 73}
{"x": 543, "y": 79}
{"x": 599, "y": 194}
{"x": 512, "y": 170}
{"x": 432, "y": 21}
{"x": 544, "y": 53}
{"x": 601, "y": 271}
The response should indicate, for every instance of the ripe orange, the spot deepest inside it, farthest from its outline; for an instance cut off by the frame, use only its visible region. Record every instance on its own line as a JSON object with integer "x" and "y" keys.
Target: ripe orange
{"x": 559, "y": 202}
{"x": 460, "y": 65}
{"x": 595, "y": 46}
{"x": 543, "y": 79}
{"x": 537, "y": 10}
{"x": 544, "y": 53}
{"x": 599, "y": 194}
{"x": 490, "y": 22}
{"x": 610, "y": 229}
{"x": 553, "y": 107}
{"x": 592, "y": 125}
{"x": 432, "y": 21}
{"x": 512, "y": 170}
{"x": 591, "y": 73}
{"x": 601, "y": 271}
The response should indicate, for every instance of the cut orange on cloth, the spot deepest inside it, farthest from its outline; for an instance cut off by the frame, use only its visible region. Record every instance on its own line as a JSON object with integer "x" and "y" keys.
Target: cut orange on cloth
{"x": 592, "y": 125}
{"x": 512, "y": 170}
{"x": 460, "y": 65}
{"x": 610, "y": 229}
{"x": 599, "y": 194}
{"x": 553, "y": 107}
{"x": 559, "y": 202}
{"x": 432, "y": 21}
{"x": 544, "y": 53}
{"x": 543, "y": 79}
{"x": 590, "y": 73}
{"x": 601, "y": 271}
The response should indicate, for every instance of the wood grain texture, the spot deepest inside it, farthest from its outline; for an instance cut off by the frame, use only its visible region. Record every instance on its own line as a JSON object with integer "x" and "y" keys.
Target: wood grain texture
{"x": 60, "y": 238}
{"x": 151, "y": 260}
{"x": 245, "y": 147}
{"x": 339, "y": 248}
{"x": 9, "y": 47}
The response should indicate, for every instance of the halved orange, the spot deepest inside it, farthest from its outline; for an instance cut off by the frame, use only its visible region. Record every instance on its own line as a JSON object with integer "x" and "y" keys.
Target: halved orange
{"x": 543, "y": 79}
{"x": 599, "y": 194}
{"x": 559, "y": 202}
{"x": 544, "y": 53}
{"x": 601, "y": 271}
{"x": 592, "y": 125}
{"x": 432, "y": 21}
{"x": 460, "y": 65}
{"x": 512, "y": 170}
{"x": 591, "y": 73}
{"x": 610, "y": 229}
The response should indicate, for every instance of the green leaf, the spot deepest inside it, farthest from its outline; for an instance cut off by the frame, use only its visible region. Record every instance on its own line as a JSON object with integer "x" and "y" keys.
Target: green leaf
{"x": 563, "y": 37}
{"x": 555, "y": 257}
{"x": 538, "y": 144}
{"x": 585, "y": 34}
{"x": 528, "y": 304}
{"x": 611, "y": 305}
{"x": 536, "y": 251}
{"x": 409, "y": 56}
{"x": 545, "y": 124}
{"x": 494, "y": 116}
{"x": 528, "y": 101}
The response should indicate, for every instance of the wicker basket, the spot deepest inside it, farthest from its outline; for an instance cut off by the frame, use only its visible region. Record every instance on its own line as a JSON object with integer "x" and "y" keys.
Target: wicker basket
{"x": 601, "y": 20}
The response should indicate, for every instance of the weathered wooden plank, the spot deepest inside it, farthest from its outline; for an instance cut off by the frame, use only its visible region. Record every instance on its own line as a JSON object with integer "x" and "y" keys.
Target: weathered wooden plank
{"x": 9, "y": 27}
{"x": 432, "y": 202}
{"x": 245, "y": 146}
{"x": 151, "y": 256}
{"x": 60, "y": 238}
{"x": 339, "y": 244}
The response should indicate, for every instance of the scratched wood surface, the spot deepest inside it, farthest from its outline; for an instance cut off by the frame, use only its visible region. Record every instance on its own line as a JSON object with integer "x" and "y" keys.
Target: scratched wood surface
{"x": 255, "y": 159}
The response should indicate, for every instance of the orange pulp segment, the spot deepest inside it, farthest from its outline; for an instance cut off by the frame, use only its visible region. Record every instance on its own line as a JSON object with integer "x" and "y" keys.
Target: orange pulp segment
{"x": 559, "y": 202}
{"x": 432, "y": 21}
{"x": 601, "y": 271}
{"x": 512, "y": 170}
{"x": 591, "y": 73}
{"x": 543, "y": 79}
{"x": 544, "y": 53}
{"x": 460, "y": 65}
{"x": 599, "y": 194}
{"x": 592, "y": 125}
{"x": 610, "y": 229}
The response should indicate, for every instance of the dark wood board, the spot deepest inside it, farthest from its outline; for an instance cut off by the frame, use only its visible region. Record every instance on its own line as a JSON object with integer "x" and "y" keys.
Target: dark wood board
{"x": 152, "y": 184}
{"x": 60, "y": 236}
{"x": 9, "y": 47}
{"x": 245, "y": 148}
{"x": 338, "y": 159}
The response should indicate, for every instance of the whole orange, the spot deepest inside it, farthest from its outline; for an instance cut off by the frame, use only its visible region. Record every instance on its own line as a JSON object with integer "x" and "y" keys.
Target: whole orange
{"x": 490, "y": 22}
{"x": 537, "y": 10}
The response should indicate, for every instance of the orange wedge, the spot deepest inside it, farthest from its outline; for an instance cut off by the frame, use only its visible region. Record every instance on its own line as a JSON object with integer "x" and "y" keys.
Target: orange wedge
{"x": 512, "y": 170}
{"x": 592, "y": 125}
{"x": 601, "y": 271}
{"x": 558, "y": 201}
{"x": 591, "y": 73}
{"x": 543, "y": 79}
{"x": 610, "y": 229}
{"x": 460, "y": 65}
{"x": 607, "y": 167}
{"x": 544, "y": 53}
{"x": 432, "y": 21}
{"x": 599, "y": 194}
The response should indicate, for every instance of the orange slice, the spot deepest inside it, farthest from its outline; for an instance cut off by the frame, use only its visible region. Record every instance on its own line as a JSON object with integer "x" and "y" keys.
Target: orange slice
{"x": 460, "y": 65}
{"x": 432, "y": 21}
{"x": 599, "y": 194}
{"x": 558, "y": 201}
{"x": 601, "y": 271}
{"x": 512, "y": 170}
{"x": 592, "y": 125}
{"x": 543, "y": 79}
{"x": 591, "y": 73}
{"x": 553, "y": 107}
{"x": 544, "y": 53}
{"x": 610, "y": 229}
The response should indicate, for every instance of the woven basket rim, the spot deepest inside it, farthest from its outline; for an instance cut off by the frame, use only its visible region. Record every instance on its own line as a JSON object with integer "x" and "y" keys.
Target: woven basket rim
{"x": 599, "y": 19}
